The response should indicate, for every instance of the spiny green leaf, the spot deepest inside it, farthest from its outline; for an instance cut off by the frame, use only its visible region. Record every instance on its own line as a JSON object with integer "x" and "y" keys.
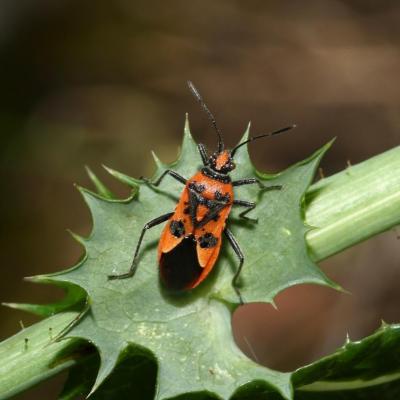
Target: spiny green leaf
{"x": 189, "y": 335}
{"x": 364, "y": 370}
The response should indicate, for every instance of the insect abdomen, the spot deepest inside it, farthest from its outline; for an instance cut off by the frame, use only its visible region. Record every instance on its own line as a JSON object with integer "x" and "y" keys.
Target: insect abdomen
{"x": 180, "y": 268}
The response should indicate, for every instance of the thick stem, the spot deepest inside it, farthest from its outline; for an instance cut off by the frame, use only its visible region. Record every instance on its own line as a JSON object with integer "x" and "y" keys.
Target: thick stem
{"x": 31, "y": 356}
{"x": 354, "y": 204}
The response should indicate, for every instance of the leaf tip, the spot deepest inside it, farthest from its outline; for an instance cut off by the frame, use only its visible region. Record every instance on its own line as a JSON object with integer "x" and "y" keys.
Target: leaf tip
{"x": 242, "y": 158}
{"x": 187, "y": 125}
{"x": 35, "y": 278}
{"x": 340, "y": 288}
{"x": 9, "y": 305}
{"x": 246, "y": 133}
{"x": 81, "y": 189}
{"x": 101, "y": 188}
{"x": 327, "y": 146}
{"x": 189, "y": 146}
{"x": 108, "y": 169}
{"x": 158, "y": 162}
{"x": 88, "y": 170}
{"x": 186, "y": 130}
{"x": 384, "y": 324}
{"x": 125, "y": 179}
{"x": 107, "y": 365}
{"x": 76, "y": 237}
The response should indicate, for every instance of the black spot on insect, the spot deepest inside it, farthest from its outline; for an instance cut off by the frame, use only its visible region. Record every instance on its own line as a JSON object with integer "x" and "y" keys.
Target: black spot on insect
{"x": 206, "y": 202}
{"x": 216, "y": 218}
{"x": 207, "y": 241}
{"x": 186, "y": 210}
{"x": 177, "y": 228}
{"x": 222, "y": 197}
{"x": 197, "y": 187}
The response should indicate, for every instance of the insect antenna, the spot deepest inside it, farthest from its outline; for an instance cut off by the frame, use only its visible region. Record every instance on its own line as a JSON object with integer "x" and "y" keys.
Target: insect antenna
{"x": 233, "y": 151}
{"x": 196, "y": 94}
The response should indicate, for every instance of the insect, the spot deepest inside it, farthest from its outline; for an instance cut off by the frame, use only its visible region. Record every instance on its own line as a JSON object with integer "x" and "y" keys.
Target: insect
{"x": 191, "y": 240}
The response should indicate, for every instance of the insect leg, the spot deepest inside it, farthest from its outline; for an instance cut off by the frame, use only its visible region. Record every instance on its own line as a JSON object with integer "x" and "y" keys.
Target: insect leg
{"x": 166, "y": 172}
{"x": 148, "y": 225}
{"x": 71, "y": 324}
{"x": 238, "y": 251}
{"x": 203, "y": 153}
{"x": 252, "y": 181}
{"x": 249, "y": 205}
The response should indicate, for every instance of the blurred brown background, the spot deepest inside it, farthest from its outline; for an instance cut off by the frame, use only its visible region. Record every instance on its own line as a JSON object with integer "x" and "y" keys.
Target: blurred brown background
{"x": 105, "y": 82}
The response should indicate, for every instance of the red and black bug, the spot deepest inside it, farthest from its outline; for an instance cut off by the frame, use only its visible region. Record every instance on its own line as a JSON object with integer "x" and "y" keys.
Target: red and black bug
{"x": 191, "y": 241}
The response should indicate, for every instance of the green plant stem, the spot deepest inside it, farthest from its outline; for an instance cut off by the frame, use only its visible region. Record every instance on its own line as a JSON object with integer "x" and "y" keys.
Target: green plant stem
{"x": 354, "y": 204}
{"x": 28, "y": 357}
{"x": 346, "y": 208}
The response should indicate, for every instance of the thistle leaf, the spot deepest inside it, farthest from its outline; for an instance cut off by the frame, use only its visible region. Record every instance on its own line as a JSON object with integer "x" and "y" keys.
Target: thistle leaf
{"x": 189, "y": 334}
